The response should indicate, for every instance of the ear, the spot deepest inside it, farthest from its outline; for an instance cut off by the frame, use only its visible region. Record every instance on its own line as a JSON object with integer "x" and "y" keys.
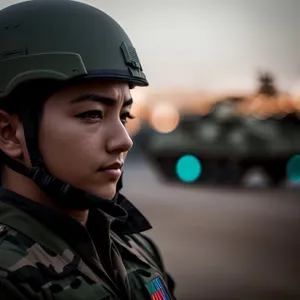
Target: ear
{"x": 12, "y": 138}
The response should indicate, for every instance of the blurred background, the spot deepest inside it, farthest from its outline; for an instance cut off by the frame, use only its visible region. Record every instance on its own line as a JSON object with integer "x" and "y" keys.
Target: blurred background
{"x": 216, "y": 161}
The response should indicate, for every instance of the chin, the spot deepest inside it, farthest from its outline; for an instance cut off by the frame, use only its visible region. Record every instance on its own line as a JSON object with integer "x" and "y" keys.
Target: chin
{"x": 107, "y": 192}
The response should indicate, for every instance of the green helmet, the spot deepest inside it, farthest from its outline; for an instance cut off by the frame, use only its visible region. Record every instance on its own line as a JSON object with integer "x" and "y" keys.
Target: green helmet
{"x": 62, "y": 39}
{"x": 58, "y": 41}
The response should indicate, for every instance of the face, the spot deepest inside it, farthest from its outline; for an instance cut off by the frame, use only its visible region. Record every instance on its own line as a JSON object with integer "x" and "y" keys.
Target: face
{"x": 83, "y": 137}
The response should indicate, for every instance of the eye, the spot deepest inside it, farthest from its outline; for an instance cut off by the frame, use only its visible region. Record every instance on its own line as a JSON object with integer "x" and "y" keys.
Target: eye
{"x": 92, "y": 115}
{"x": 125, "y": 117}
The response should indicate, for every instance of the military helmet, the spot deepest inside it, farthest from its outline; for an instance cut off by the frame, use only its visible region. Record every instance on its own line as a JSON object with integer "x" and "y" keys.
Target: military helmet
{"x": 60, "y": 41}
{"x": 63, "y": 39}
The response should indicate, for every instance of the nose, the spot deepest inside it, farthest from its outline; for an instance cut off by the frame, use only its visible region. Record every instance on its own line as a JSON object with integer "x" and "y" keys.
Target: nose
{"x": 118, "y": 139}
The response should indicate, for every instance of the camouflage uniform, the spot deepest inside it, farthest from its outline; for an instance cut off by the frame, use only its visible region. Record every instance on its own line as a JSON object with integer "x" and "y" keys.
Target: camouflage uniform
{"x": 47, "y": 255}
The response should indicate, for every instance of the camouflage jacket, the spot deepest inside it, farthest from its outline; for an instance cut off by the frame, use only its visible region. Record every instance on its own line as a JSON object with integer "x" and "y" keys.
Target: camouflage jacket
{"x": 46, "y": 255}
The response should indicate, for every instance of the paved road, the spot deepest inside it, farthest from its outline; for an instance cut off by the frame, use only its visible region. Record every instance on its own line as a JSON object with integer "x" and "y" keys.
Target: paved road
{"x": 222, "y": 243}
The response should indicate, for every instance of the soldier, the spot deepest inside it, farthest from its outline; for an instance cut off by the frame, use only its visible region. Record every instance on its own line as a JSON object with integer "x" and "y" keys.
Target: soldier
{"x": 66, "y": 70}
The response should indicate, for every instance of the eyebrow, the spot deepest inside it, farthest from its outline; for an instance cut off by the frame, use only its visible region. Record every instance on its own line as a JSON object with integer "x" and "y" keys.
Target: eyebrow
{"x": 104, "y": 100}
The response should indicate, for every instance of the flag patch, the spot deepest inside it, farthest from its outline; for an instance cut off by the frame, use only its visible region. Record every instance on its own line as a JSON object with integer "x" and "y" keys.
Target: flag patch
{"x": 157, "y": 290}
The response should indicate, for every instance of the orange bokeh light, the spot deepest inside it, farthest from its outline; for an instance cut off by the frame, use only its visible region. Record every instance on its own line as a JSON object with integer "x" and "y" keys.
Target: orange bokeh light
{"x": 164, "y": 118}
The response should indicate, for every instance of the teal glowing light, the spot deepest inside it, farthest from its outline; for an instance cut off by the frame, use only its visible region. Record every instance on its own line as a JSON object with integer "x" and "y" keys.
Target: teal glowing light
{"x": 188, "y": 168}
{"x": 293, "y": 168}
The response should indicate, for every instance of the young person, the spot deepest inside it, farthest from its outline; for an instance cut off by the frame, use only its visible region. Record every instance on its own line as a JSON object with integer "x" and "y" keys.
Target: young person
{"x": 66, "y": 232}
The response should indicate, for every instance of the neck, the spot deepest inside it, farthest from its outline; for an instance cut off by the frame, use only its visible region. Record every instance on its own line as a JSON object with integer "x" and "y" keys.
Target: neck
{"x": 25, "y": 187}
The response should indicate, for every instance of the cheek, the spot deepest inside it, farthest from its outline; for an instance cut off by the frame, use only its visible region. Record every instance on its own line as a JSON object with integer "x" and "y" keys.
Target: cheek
{"x": 69, "y": 152}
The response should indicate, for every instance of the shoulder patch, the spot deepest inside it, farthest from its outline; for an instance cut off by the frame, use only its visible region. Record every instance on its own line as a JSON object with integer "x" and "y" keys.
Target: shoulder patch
{"x": 157, "y": 290}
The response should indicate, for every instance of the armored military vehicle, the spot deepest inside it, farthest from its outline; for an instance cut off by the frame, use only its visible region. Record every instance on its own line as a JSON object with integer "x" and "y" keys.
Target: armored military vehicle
{"x": 228, "y": 145}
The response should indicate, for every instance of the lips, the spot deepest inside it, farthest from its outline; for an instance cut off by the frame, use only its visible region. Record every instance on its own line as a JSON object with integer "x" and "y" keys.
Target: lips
{"x": 113, "y": 171}
{"x": 114, "y": 166}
